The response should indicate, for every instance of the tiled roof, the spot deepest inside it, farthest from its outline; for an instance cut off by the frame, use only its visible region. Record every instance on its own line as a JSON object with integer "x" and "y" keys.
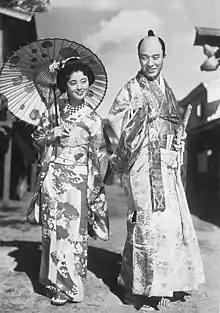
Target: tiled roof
{"x": 209, "y": 36}
{"x": 23, "y": 9}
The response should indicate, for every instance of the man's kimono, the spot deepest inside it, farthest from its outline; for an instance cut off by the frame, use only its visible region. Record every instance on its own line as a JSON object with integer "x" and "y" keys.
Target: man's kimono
{"x": 161, "y": 253}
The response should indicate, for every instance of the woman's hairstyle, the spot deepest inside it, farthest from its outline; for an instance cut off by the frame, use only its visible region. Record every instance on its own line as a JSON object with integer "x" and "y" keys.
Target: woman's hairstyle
{"x": 72, "y": 66}
{"x": 151, "y": 34}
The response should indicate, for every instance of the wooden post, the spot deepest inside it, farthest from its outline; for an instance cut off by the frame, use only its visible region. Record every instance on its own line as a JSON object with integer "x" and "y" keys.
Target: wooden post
{"x": 33, "y": 177}
{"x": 8, "y": 123}
{"x": 7, "y": 167}
{"x": 1, "y": 41}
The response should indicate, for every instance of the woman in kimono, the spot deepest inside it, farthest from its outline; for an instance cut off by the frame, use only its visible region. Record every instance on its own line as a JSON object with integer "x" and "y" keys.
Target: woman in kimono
{"x": 161, "y": 254}
{"x": 70, "y": 194}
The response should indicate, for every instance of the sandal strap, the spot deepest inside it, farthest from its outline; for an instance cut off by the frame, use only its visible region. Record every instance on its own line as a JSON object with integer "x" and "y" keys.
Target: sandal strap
{"x": 147, "y": 308}
{"x": 58, "y": 300}
{"x": 164, "y": 302}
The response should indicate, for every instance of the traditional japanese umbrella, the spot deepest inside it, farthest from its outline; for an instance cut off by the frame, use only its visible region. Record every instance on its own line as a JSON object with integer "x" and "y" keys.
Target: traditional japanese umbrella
{"x": 28, "y": 83}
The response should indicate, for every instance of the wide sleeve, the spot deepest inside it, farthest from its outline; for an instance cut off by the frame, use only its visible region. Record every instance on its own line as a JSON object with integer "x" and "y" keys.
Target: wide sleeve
{"x": 128, "y": 118}
{"x": 119, "y": 112}
{"x": 98, "y": 222}
{"x": 42, "y": 132}
{"x": 98, "y": 146}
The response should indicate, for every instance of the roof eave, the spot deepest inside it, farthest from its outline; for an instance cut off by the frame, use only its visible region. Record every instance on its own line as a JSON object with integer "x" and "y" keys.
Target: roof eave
{"x": 16, "y": 13}
{"x": 192, "y": 95}
{"x": 205, "y": 35}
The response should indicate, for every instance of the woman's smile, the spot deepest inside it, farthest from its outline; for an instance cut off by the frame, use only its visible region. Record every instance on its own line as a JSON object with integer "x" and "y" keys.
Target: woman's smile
{"x": 77, "y": 87}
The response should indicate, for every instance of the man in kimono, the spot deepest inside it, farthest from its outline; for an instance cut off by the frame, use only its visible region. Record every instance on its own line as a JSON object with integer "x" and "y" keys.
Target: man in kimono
{"x": 161, "y": 256}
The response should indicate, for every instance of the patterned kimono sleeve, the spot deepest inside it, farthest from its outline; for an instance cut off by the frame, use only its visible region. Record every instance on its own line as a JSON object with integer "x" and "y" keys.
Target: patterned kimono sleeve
{"x": 42, "y": 132}
{"x": 98, "y": 226}
{"x": 119, "y": 112}
{"x": 98, "y": 146}
{"x": 40, "y": 136}
{"x": 126, "y": 117}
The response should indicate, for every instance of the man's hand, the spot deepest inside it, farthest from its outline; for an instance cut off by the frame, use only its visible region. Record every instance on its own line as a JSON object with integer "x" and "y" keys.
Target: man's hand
{"x": 173, "y": 164}
{"x": 181, "y": 145}
{"x": 184, "y": 136}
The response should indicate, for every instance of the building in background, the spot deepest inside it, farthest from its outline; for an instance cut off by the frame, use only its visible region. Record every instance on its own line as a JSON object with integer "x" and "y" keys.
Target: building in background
{"x": 203, "y": 147}
{"x": 17, "y": 27}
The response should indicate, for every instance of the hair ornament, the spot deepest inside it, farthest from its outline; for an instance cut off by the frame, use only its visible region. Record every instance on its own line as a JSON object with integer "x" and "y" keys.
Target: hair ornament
{"x": 56, "y": 66}
{"x": 63, "y": 62}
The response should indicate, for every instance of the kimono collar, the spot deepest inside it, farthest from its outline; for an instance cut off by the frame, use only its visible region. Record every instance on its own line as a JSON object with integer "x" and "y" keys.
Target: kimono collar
{"x": 159, "y": 82}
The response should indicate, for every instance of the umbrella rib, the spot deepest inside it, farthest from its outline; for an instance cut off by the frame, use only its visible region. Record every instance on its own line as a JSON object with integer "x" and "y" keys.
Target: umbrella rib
{"x": 21, "y": 54}
{"x": 62, "y": 43}
{"x": 73, "y": 42}
{"x": 54, "y": 49}
{"x": 22, "y": 97}
{"x": 42, "y": 51}
{"x": 16, "y": 90}
{"x": 8, "y": 87}
{"x": 28, "y": 97}
{"x": 8, "y": 71}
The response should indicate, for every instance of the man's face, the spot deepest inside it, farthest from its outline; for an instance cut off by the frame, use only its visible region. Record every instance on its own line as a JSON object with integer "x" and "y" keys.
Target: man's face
{"x": 151, "y": 57}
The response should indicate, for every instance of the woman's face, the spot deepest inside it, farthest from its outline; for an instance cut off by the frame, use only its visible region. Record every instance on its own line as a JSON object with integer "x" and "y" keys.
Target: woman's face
{"x": 77, "y": 86}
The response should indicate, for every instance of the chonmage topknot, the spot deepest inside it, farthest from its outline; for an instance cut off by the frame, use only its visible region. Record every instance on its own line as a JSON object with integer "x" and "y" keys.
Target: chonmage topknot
{"x": 150, "y": 33}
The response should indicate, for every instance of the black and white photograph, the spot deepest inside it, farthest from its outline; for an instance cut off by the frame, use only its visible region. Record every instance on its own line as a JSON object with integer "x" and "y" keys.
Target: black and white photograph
{"x": 109, "y": 156}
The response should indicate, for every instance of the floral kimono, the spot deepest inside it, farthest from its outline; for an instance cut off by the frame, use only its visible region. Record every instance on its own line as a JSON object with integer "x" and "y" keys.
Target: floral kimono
{"x": 161, "y": 253}
{"x": 70, "y": 197}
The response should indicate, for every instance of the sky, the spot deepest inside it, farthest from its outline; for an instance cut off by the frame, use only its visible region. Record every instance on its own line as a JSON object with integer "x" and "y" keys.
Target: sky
{"x": 113, "y": 28}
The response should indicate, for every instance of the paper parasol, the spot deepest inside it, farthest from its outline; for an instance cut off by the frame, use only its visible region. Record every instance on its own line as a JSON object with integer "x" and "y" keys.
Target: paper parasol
{"x": 26, "y": 84}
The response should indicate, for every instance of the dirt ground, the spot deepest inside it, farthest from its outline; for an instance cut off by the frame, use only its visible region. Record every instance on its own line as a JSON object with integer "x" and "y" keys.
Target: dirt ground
{"x": 20, "y": 258}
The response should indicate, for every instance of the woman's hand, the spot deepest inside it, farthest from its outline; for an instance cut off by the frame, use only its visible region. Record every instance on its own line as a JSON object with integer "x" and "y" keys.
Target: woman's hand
{"x": 57, "y": 133}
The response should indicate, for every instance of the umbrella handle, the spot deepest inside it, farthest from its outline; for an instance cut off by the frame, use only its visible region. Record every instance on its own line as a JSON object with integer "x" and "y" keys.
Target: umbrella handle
{"x": 55, "y": 104}
{"x": 56, "y": 111}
